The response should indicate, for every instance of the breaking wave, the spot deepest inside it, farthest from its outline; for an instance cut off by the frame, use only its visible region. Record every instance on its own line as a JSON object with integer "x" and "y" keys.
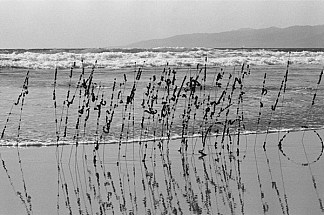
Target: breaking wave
{"x": 125, "y": 58}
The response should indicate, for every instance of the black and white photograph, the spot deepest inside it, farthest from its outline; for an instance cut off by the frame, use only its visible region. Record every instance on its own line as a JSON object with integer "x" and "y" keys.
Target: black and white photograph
{"x": 149, "y": 107}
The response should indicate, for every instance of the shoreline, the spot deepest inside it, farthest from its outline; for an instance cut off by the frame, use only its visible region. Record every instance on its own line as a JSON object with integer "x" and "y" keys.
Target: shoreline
{"x": 40, "y": 171}
{"x": 38, "y": 144}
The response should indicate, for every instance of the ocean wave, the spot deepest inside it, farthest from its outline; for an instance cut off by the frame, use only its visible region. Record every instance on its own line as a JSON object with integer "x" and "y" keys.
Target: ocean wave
{"x": 51, "y": 142}
{"x": 125, "y": 58}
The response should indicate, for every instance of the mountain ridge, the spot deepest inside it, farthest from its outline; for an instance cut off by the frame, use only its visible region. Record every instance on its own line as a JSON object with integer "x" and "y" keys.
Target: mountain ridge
{"x": 298, "y": 36}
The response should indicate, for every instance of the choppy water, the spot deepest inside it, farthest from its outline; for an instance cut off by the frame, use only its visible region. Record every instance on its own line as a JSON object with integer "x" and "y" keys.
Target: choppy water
{"x": 294, "y": 107}
{"x": 126, "y": 58}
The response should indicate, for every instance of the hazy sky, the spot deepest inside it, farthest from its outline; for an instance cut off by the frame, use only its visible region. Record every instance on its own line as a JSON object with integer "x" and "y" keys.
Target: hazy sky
{"x": 81, "y": 23}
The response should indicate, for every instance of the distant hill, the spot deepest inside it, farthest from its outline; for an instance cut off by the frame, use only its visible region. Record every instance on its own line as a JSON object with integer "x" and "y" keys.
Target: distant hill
{"x": 273, "y": 37}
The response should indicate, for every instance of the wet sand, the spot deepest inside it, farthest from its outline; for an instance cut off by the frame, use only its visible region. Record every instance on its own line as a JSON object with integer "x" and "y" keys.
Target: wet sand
{"x": 154, "y": 177}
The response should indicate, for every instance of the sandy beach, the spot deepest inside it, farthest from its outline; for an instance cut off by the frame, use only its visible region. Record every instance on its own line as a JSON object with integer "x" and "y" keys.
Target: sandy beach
{"x": 253, "y": 182}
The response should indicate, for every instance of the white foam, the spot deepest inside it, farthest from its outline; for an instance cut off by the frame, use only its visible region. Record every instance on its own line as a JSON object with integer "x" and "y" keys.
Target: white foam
{"x": 123, "y": 58}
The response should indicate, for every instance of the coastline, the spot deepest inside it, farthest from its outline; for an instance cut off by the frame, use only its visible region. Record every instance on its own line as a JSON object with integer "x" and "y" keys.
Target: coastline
{"x": 267, "y": 172}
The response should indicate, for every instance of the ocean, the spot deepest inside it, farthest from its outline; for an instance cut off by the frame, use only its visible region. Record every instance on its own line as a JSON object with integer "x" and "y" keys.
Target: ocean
{"x": 126, "y": 58}
{"x": 295, "y": 109}
{"x": 161, "y": 131}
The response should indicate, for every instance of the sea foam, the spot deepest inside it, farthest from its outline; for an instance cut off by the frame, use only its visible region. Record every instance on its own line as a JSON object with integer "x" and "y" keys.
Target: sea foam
{"x": 124, "y": 58}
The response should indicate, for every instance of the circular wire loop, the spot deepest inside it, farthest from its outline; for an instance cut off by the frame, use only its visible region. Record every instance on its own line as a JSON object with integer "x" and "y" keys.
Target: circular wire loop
{"x": 299, "y": 163}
